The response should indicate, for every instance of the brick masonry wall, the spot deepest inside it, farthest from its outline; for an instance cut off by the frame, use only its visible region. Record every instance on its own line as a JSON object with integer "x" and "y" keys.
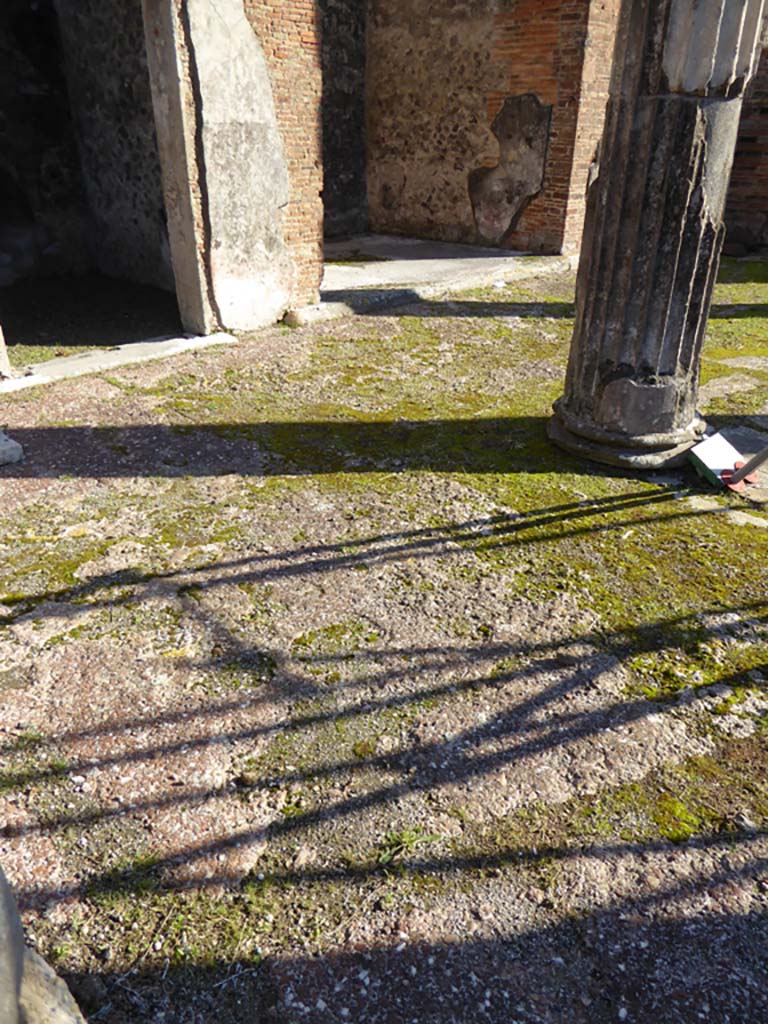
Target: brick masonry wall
{"x": 541, "y": 43}
{"x": 746, "y": 212}
{"x": 436, "y": 80}
{"x": 289, "y": 33}
{"x": 596, "y": 80}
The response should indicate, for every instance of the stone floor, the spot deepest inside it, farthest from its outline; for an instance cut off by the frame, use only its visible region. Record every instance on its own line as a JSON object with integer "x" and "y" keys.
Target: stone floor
{"x": 330, "y": 691}
{"x": 381, "y": 261}
{"x": 362, "y": 273}
{"x": 370, "y": 273}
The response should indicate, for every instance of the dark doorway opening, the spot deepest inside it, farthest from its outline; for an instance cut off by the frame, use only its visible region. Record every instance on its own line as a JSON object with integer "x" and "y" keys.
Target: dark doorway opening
{"x": 84, "y": 257}
{"x": 345, "y": 196}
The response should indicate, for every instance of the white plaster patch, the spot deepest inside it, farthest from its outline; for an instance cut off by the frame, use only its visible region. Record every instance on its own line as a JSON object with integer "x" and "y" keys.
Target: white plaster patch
{"x": 249, "y": 301}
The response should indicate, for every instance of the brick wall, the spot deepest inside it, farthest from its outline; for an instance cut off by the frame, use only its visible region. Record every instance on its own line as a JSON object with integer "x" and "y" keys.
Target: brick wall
{"x": 429, "y": 120}
{"x": 289, "y": 34}
{"x": 595, "y": 85}
{"x": 541, "y": 45}
{"x": 746, "y": 212}
{"x": 437, "y": 77}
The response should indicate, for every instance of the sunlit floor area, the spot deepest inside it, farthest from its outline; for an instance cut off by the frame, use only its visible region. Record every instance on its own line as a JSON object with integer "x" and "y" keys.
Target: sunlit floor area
{"x": 331, "y": 691}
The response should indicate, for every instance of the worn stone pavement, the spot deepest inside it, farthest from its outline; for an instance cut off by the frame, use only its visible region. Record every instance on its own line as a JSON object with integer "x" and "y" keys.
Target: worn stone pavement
{"x": 329, "y": 691}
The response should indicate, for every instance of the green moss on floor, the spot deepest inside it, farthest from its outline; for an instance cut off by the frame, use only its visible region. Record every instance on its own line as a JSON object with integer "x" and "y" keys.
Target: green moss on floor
{"x": 339, "y": 638}
{"x": 30, "y": 762}
{"x": 724, "y": 794}
{"x": 24, "y": 357}
{"x": 710, "y": 798}
{"x": 426, "y": 398}
{"x": 420, "y": 442}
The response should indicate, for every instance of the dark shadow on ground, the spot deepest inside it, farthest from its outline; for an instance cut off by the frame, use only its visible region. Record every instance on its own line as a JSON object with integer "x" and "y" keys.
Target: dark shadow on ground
{"x": 627, "y": 960}
{"x": 494, "y": 445}
{"x": 348, "y": 247}
{"x": 546, "y": 675}
{"x": 738, "y": 311}
{"x": 504, "y": 444}
{"x": 84, "y": 310}
{"x": 657, "y": 954}
{"x": 381, "y": 301}
{"x": 749, "y": 421}
{"x": 752, "y": 270}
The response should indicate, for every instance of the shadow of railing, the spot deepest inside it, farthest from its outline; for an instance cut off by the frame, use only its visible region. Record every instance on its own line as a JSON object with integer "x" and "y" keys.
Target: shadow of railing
{"x": 531, "y": 685}
{"x": 517, "y": 964}
{"x": 484, "y": 535}
{"x": 535, "y": 716}
{"x": 382, "y": 301}
{"x": 658, "y": 955}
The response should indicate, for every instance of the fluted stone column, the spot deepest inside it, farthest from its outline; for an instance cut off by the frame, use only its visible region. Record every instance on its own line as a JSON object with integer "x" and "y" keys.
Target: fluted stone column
{"x": 654, "y": 229}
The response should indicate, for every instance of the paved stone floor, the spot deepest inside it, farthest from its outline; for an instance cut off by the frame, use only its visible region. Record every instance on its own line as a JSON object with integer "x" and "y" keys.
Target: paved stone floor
{"x": 330, "y": 691}
{"x": 383, "y": 261}
{"x": 362, "y": 273}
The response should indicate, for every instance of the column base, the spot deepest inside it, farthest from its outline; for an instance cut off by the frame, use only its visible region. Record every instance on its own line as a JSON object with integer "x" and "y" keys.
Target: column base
{"x": 10, "y": 450}
{"x": 613, "y": 453}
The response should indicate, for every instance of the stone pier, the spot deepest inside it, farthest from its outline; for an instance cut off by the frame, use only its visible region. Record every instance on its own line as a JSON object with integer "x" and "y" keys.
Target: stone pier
{"x": 225, "y": 177}
{"x": 654, "y": 229}
{"x": 30, "y": 991}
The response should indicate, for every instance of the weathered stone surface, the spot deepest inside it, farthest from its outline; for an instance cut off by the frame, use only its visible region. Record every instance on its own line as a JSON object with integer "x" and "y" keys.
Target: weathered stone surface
{"x": 30, "y": 992}
{"x": 173, "y": 108}
{"x": 224, "y": 171}
{"x": 438, "y": 74}
{"x": 245, "y": 174}
{"x": 11, "y": 954}
{"x": 108, "y": 85}
{"x": 500, "y": 194}
{"x": 5, "y": 366}
{"x": 45, "y": 999}
{"x": 654, "y": 230}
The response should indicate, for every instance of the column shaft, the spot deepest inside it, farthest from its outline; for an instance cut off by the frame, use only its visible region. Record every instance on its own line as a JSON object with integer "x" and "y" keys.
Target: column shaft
{"x": 654, "y": 229}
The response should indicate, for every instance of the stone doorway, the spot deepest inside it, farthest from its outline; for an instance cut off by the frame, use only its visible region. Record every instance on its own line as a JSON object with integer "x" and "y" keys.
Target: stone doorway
{"x": 83, "y": 240}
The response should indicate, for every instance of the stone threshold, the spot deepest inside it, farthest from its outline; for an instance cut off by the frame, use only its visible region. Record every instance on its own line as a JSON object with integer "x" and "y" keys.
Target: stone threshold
{"x": 111, "y": 358}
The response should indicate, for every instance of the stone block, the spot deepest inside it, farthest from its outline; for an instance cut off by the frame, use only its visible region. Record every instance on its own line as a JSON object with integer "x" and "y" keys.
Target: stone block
{"x": 10, "y": 450}
{"x": 30, "y": 991}
{"x": 45, "y": 999}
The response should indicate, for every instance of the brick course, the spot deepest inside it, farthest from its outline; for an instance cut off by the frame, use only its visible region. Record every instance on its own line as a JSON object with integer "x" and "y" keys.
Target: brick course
{"x": 595, "y": 85}
{"x": 541, "y": 45}
{"x": 559, "y": 49}
{"x": 289, "y": 33}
